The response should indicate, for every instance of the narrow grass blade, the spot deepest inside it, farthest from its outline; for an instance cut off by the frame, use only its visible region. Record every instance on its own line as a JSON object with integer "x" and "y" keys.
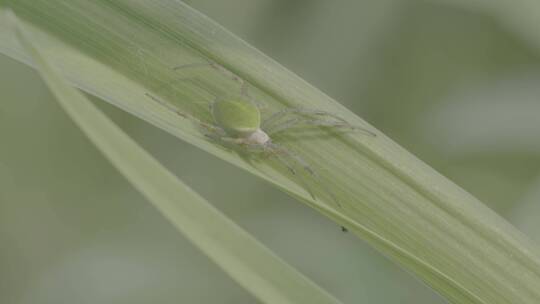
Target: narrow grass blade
{"x": 121, "y": 50}
{"x": 235, "y": 251}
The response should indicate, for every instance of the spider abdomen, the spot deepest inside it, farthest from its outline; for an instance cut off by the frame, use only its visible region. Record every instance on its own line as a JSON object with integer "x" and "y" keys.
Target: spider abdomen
{"x": 239, "y": 118}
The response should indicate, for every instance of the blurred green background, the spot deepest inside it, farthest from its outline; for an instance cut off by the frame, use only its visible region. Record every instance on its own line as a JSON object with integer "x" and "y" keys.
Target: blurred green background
{"x": 457, "y": 85}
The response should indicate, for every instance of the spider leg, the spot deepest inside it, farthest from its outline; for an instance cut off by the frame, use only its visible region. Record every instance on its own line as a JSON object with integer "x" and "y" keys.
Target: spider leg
{"x": 301, "y": 111}
{"x": 279, "y": 151}
{"x": 294, "y": 122}
{"x": 194, "y": 83}
{"x": 309, "y": 117}
{"x": 236, "y": 141}
{"x": 172, "y": 83}
{"x": 244, "y": 88}
{"x": 173, "y": 109}
{"x": 222, "y": 70}
{"x": 221, "y": 137}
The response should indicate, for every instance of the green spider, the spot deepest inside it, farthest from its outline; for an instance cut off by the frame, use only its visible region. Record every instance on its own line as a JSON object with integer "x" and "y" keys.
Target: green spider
{"x": 238, "y": 122}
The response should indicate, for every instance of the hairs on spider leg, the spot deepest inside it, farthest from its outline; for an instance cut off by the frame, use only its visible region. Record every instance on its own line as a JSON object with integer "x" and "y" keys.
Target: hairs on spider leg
{"x": 191, "y": 65}
{"x": 291, "y": 169}
{"x": 301, "y": 111}
{"x": 296, "y": 122}
{"x": 214, "y": 65}
{"x": 175, "y": 81}
{"x": 221, "y": 69}
{"x": 166, "y": 105}
{"x": 173, "y": 109}
{"x": 308, "y": 169}
{"x": 195, "y": 84}
{"x": 273, "y": 127}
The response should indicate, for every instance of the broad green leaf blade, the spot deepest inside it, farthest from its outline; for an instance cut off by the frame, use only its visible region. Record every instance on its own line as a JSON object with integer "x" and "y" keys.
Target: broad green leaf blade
{"x": 246, "y": 260}
{"x": 120, "y": 50}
